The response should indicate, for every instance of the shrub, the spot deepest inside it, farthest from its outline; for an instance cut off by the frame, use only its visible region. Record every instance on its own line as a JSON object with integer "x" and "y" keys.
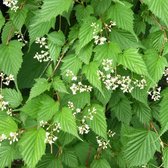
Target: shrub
{"x": 83, "y": 83}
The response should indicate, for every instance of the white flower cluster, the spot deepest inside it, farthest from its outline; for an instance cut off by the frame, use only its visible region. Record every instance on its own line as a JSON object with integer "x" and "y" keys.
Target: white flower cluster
{"x": 43, "y": 123}
{"x": 13, "y": 137}
{"x": 166, "y": 74}
{"x": 84, "y": 128}
{"x": 44, "y": 55}
{"x": 110, "y": 133}
{"x": 20, "y": 38}
{"x": 155, "y": 93}
{"x": 12, "y": 4}
{"x": 6, "y": 80}
{"x": 71, "y": 105}
{"x": 70, "y": 74}
{"x": 98, "y": 40}
{"x": 102, "y": 144}
{"x": 109, "y": 26}
{"x": 3, "y": 104}
{"x": 52, "y": 130}
{"x": 113, "y": 81}
{"x": 80, "y": 87}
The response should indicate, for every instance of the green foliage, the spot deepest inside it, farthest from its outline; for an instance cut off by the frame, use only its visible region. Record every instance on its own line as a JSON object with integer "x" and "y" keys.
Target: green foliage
{"x": 83, "y": 83}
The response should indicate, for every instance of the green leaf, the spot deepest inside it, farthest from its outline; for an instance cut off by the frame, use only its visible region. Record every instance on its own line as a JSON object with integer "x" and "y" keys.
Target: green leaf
{"x": 7, "y": 154}
{"x": 155, "y": 64}
{"x": 121, "y": 107}
{"x": 18, "y": 18}
{"x": 49, "y": 161}
{"x": 40, "y": 29}
{"x": 11, "y": 57}
{"x": 163, "y": 115}
{"x": 65, "y": 138}
{"x": 86, "y": 53}
{"x": 101, "y": 163}
{"x": 124, "y": 39}
{"x": 32, "y": 146}
{"x": 41, "y": 108}
{"x": 59, "y": 85}
{"x": 98, "y": 124}
{"x": 7, "y": 124}
{"x": 72, "y": 63}
{"x": 132, "y": 60}
{"x": 141, "y": 147}
{"x": 2, "y": 20}
{"x": 51, "y": 8}
{"x": 100, "y": 7}
{"x": 90, "y": 72}
{"x": 143, "y": 112}
{"x": 12, "y": 96}
{"x": 67, "y": 121}
{"x": 79, "y": 100}
{"x": 106, "y": 51}
{"x": 7, "y": 32}
{"x": 55, "y": 41}
{"x": 140, "y": 95}
{"x": 159, "y": 8}
{"x": 122, "y": 15}
{"x": 39, "y": 87}
{"x": 69, "y": 158}
{"x": 165, "y": 157}
{"x": 86, "y": 32}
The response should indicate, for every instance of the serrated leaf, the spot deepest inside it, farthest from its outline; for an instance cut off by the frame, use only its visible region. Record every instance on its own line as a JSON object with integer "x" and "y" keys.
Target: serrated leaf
{"x": 55, "y": 41}
{"x": 121, "y": 108}
{"x": 140, "y": 95}
{"x": 7, "y": 154}
{"x": 41, "y": 108}
{"x": 122, "y": 15}
{"x": 32, "y": 146}
{"x": 2, "y": 20}
{"x": 165, "y": 157}
{"x": 90, "y": 72}
{"x": 143, "y": 112}
{"x": 18, "y": 18}
{"x": 59, "y": 85}
{"x": 39, "y": 87}
{"x": 98, "y": 124}
{"x": 156, "y": 65}
{"x": 100, "y": 7}
{"x": 101, "y": 163}
{"x": 40, "y": 29}
{"x": 7, "y": 124}
{"x": 49, "y": 161}
{"x": 51, "y": 8}
{"x": 67, "y": 121}
{"x": 69, "y": 158}
{"x": 11, "y": 57}
{"x": 86, "y": 32}
{"x": 141, "y": 147}
{"x": 12, "y": 96}
{"x": 159, "y": 8}
{"x": 72, "y": 63}
{"x": 86, "y": 53}
{"x": 132, "y": 60}
{"x": 7, "y": 32}
{"x": 124, "y": 39}
{"x": 163, "y": 115}
{"x": 106, "y": 51}
{"x": 79, "y": 100}
{"x": 65, "y": 138}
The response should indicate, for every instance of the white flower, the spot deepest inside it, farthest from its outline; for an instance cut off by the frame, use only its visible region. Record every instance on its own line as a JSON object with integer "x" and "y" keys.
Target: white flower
{"x": 111, "y": 133}
{"x": 43, "y": 123}
{"x": 13, "y": 137}
{"x": 11, "y": 4}
{"x": 102, "y": 143}
{"x": 155, "y": 93}
{"x": 71, "y": 105}
{"x": 50, "y": 138}
{"x": 84, "y": 129}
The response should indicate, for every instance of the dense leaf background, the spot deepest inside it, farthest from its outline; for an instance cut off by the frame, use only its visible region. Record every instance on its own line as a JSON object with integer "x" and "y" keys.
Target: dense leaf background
{"x": 99, "y": 97}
